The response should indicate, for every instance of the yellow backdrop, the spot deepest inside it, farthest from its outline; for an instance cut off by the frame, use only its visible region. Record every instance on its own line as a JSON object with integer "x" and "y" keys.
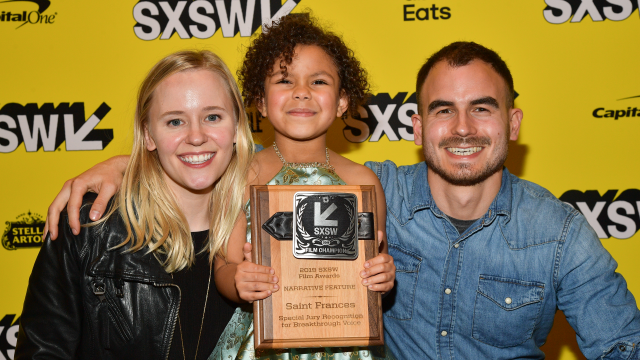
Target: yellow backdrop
{"x": 69, "y": 73}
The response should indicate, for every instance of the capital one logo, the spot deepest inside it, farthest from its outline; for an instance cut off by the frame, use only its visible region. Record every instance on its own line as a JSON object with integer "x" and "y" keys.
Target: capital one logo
{"x": 48, "y": 127}
{"x": 618, "y": 113}
{"x": 609, "y": 215}
{"x": 202, "y": 18}
{"x": 26, "y": 15}
{"x": 560, "y": 11}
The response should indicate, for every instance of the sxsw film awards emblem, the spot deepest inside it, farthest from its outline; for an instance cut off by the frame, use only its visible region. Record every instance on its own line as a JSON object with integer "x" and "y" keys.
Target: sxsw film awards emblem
{"x": 325, "y": 226}
{"x": 25, "y": 232}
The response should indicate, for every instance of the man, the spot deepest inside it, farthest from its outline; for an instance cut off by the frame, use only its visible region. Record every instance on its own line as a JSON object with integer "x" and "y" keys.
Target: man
{"x": 483, "y": 258}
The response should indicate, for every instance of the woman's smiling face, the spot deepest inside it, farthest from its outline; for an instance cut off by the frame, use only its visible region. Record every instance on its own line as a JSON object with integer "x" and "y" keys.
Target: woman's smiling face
{"x": 192, "y": 126}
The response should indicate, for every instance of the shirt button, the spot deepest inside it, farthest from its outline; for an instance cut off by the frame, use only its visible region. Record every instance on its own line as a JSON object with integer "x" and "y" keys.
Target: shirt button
{"x": 443, "y": 333}
{"x": 456, "y": 245}
{"x": 507, "y": 301}
{"x": 447, "y": 291}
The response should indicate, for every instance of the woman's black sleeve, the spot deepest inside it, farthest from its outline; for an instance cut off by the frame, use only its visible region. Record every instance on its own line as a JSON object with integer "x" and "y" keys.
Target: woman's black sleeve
{"x": 51, "y": 320}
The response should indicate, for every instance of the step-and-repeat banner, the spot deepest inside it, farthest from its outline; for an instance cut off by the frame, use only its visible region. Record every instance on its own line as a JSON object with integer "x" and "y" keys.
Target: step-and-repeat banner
{"x": 69, "y": 72}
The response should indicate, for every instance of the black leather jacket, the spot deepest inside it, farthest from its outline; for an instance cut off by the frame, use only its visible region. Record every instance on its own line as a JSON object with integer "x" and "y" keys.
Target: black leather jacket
{"x": 86, "y": 302}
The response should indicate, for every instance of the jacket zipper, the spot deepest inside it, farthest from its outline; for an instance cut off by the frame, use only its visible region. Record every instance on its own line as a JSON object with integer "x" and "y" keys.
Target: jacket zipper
{"x": 119, "y": 283}
{"x": 99, "y": 291}
{"x": 173, "y": 328}
{"x": 118, "y": 321}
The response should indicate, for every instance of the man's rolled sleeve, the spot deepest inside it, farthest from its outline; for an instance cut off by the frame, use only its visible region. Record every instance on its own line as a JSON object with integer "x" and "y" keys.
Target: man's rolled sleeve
{"x": 594, "y": 297}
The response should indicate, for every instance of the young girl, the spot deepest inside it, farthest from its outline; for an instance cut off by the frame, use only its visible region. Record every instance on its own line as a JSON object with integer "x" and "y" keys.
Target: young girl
{"x": 137, "y": 284}
{"x": 301, "y": 78}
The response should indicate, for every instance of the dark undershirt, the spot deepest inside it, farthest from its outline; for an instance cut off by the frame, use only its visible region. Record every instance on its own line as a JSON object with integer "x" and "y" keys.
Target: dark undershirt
{"x": 461, "y": 225}
{"x": 193, "y": 289}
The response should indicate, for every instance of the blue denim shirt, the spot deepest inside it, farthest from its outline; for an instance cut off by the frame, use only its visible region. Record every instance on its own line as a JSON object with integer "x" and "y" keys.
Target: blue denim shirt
{"x": 492, "y": 291}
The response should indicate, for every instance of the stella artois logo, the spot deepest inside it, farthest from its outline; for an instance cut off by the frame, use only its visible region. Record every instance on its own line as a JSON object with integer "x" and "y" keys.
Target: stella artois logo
{"x": 25, "y": 232}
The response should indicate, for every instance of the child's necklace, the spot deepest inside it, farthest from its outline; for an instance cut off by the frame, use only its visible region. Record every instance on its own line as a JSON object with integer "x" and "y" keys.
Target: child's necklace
{"x": 326, "y": 165}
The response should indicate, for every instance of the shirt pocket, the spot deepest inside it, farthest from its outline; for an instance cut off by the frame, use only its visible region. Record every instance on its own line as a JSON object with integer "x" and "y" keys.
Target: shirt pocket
{"x": 506, "y": 310}
{"x": 399, "y": 303}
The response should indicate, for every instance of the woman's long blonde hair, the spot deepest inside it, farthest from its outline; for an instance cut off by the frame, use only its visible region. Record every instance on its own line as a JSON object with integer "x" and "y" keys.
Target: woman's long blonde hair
{"x": 149, "y": 209}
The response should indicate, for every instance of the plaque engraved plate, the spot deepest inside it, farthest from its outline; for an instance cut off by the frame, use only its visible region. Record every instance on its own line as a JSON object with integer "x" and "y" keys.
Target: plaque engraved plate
{"x": 321, "y": 301}
{"x": 325, "y": 226}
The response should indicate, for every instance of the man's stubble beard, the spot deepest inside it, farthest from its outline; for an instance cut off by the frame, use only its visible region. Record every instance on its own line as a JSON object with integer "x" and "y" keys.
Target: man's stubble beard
{"x": 463, "y": 175}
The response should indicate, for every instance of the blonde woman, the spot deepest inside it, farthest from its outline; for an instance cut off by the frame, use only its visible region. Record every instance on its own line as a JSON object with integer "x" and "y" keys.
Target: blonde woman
{"x": 138, "y": 284}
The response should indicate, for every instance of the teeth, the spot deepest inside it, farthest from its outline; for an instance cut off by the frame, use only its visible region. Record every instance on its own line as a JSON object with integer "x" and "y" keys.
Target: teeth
{"x": 464, "y": 151}
{"x": 197, "y": 159}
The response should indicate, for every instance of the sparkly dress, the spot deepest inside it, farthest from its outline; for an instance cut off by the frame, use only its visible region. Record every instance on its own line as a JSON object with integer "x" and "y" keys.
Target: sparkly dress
{"x": 236, "y": 342}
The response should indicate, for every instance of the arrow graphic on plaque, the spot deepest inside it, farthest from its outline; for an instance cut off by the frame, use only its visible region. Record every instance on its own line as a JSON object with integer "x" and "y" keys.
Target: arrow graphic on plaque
{"x": 320, "y": 217}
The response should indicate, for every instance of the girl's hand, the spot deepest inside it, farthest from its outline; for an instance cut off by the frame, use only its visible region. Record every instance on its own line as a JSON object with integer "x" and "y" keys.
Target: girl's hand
{"x": 254, "y": 282}
{"x": 379, "y": 273}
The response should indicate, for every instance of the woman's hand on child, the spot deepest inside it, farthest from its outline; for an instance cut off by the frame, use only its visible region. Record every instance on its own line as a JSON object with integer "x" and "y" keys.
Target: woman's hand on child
{"x": 253, "y": 281}
{"x": 379, "y": 273}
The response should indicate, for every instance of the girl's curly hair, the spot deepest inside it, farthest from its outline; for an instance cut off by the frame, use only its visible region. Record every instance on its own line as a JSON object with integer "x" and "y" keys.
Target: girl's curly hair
{"x": 278, "y": 41}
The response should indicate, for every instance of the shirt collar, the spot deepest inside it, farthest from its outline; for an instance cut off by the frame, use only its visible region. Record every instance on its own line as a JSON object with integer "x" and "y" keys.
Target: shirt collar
{"x": 501, "y": 205}
{"x": 421, "y": 197}
{"x": 420, "y": 191}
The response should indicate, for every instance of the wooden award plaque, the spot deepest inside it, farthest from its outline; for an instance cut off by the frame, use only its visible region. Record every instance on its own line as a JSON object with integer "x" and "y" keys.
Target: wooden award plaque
{"x": 320, "y": 302}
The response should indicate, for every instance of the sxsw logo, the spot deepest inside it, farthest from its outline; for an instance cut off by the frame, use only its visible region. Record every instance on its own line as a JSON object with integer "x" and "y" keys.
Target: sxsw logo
{"x": 383, "y": 115}
{"x": 8, "y": 336}
{"x": 201, "y": 19}
{"x": 48, "y": 127}
{"x": 560, "y": 11}
{"x": 608, "y": 215}
{"x": 325, "y": 226}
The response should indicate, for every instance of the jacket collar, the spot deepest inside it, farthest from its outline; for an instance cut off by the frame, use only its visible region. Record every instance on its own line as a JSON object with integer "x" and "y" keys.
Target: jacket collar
{"x": 421, "y": 197}
{"x": 140, "y": 266}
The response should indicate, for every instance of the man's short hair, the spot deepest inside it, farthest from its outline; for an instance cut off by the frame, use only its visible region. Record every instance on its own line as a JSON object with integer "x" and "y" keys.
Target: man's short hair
{"x": 461, "y": 53}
